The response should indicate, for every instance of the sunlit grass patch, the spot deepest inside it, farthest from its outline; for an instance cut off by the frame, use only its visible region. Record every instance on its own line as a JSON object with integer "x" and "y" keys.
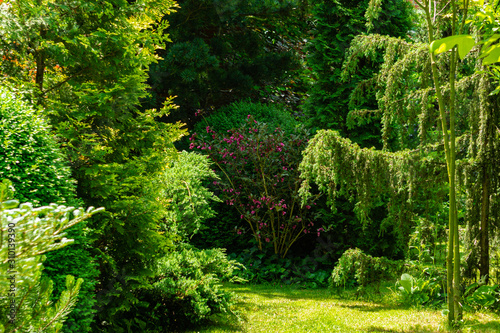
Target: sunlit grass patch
{"x": 290, "y": 309}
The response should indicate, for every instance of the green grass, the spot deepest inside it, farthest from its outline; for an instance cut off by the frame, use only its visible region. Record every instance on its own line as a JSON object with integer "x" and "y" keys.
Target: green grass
{"x": 284, "y": 309}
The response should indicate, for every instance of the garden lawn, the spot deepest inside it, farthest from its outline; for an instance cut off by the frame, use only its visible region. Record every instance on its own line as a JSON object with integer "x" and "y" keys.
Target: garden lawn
{"x": 286, "y": 309}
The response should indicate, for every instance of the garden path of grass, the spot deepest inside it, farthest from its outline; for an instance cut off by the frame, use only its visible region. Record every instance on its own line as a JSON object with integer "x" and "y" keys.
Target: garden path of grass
{"x": 283, "y": 309}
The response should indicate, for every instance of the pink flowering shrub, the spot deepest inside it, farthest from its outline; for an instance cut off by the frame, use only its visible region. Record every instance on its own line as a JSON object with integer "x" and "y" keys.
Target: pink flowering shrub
{"x": 260, "y": 178}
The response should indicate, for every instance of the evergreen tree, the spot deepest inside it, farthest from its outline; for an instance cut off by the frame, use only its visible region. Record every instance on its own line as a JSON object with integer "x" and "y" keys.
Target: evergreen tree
{"x": 86, "y": 64}
{"x": 336, "y": 23}
{"x": 225, "y": 51}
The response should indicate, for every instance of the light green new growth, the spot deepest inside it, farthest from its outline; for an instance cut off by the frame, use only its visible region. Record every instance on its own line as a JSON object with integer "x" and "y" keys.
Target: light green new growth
{"x": 26, "y": 234}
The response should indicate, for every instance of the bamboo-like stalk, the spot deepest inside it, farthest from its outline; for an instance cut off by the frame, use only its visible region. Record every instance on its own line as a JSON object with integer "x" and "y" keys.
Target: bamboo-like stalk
{"x": 453, "y": 257}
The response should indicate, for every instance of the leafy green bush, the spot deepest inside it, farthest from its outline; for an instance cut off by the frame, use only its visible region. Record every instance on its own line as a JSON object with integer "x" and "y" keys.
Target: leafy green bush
{"x": 184, "y": 287}
{"x": 355, "y": 268}
{"x": 31, "y": 158}
{"x": 479, "y": 296}
{"x": 186, "y": 290}
{"x": 425, "y": 290}
{"x": 234, "y": 115}
{"x": 187, "y": 198}
{"x": 38, "y": 170}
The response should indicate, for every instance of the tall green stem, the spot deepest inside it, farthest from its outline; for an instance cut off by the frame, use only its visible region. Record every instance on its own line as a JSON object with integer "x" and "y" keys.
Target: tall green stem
{"x": 453, "y": 257}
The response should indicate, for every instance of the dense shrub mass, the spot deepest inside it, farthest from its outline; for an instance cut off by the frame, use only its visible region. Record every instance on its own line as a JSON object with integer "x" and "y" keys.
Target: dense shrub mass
{"x": 234, "y": 116}
{"x": 355, "y": 268}
{"x": 186, "y": 290}
{"x": 32, "y": 160}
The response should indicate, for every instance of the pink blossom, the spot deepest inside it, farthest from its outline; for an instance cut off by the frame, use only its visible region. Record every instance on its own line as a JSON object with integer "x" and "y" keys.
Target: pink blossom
{"x": 267, "y": 240}
{"x": 308, "y": 207}
{"x": 241, "y": 216}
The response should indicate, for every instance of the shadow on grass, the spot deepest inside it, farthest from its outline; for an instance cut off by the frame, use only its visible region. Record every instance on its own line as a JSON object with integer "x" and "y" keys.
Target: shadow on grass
{"x": 371, "y": 307}
{"x": 415, "y": 329}
{"x": 288, "y": 292}
{"x": 219, "y": 324}
{"x": 483, "y": 327}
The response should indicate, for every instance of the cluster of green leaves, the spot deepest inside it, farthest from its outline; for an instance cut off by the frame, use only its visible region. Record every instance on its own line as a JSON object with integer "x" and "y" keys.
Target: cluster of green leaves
{"x": 425, "y": 290}
{"x": 28, "y": 233}
{"x": 31, "y": 158}
{"x": 479, "y": 296}
{"x": 309, "y": 272}
{"x": 356, "y": 268}
{"x": 189, "y": 201}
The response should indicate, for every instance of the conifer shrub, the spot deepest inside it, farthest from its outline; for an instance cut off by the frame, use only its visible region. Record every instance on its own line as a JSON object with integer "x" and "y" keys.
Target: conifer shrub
{"x": 27, "y": 304}
{"x": 187, "y": 289}
{"x": 184, "y": 289}
{"x": 358, "y": 269}
{"x": 33, "y": 162}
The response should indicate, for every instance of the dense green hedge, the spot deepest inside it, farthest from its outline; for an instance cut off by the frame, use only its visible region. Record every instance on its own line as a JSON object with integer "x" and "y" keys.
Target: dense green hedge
{"x": 31, "y": 158}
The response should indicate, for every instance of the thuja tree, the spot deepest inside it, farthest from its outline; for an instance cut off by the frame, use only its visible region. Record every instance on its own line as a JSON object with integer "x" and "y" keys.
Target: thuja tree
{"x": 431, "y": 109}
{"x": 260, "y": 178}
{"x": 335, "y": 25}
{"x": 85, "y": 63}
